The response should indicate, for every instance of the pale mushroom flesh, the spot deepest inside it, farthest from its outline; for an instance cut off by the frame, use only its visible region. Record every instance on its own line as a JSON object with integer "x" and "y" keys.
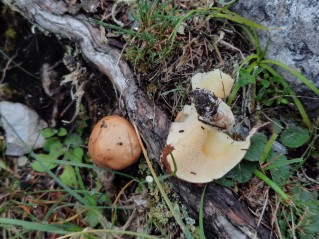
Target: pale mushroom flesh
{"x": 202, "y": 150}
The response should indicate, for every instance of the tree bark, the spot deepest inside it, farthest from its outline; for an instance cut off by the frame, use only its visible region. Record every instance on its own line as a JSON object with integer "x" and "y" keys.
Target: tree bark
{"x": 224, "y": 215}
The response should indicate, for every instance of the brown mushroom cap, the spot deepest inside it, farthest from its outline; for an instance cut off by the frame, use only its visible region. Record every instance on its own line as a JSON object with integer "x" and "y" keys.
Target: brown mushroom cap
{"x": 113, "y": 143}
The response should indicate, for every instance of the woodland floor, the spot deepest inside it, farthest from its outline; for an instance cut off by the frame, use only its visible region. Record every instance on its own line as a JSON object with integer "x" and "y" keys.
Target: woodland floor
{"x": 28, "y": 55}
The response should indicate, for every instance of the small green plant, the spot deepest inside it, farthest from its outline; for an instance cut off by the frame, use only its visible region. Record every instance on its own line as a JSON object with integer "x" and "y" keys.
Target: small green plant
{"x": 60, "y": 148}
{"x": 261, "y": 153}
{"x": 269, "y": 86}
{"x": 158, "y": 24}
{"x": 60, "y": 144}
{"x": 151, "y": 44}
{"x": 271, "y": 91}
{"x": 298, "y": 213}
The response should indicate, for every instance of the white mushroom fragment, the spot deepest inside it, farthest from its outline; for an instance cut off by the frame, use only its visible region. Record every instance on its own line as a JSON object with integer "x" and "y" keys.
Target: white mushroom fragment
{"x": 219, "y": 85}
{"x": 202, "y": 152}
{"x": 215, "y": 81}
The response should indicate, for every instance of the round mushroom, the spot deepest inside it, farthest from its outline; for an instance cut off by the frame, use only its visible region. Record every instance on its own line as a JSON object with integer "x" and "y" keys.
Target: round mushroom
{"x": 113, "y": 143}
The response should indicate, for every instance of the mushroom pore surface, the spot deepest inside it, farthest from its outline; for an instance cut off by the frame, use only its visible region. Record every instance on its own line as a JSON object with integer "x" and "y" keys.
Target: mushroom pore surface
{"x": 202, "y": 153}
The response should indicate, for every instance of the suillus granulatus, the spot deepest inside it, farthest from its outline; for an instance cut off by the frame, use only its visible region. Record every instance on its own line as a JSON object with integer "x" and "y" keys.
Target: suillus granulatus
{"x": 200, "y": 147}
{"x": 113, "y": 143}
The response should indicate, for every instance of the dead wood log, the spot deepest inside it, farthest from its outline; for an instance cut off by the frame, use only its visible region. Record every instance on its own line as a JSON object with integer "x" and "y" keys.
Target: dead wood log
{"x": 224, "y": 215}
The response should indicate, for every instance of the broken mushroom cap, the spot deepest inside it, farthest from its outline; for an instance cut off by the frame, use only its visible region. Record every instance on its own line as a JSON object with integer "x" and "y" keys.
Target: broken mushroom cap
{"x": 113, "y": 143}
{"x": 216, "y": 81}
{"x": 220, "y": 85}
{"x": 202, "y": 153}
{"x": 212, "y": 110}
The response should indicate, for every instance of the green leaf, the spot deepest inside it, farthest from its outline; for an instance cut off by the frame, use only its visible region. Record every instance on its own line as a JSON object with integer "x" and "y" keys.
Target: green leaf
{"x": 69, "y": 177}
{"x": 48, "y": 133}
{"x": 92, "y": 218}
{"x": 225, "y": 182}
{"x": 49, "y": 142}
{"x": 281, "y": 174}
{"x": 281, "y": 100}
{"x": 41, "y": 157}
{"x": 246, "y": 78}
{"x": 297, "y": 74}
{"x": 302, "y": 196}
{"x": 276, "y": 126}
{"x": 243, "y": 171}
{"x": 312, "y": 228}
{"x": 269, "y": 102}
{"x": 104, "y": 199}
{"x": 56, "y": 150}
{"x": 261, "y": 93}
{"x": 288, "y": 89}
{"x": 294, "y": 137}
{"x": 74, "y": 155}
{"x": 258, "y": 142}
{"x": 2, "y": 165}
{"x": 73, "y": 140}
{"x": 62, "y": 132}
{"x": 265, "y": 83}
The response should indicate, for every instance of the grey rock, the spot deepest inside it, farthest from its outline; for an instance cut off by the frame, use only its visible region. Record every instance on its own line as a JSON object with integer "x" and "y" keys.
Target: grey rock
{"x": 22, "y": 128}
{"x": 294, "y": 37}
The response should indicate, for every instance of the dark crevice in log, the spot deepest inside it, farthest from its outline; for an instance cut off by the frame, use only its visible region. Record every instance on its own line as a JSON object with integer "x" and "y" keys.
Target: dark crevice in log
{"x": 224, "y": 215}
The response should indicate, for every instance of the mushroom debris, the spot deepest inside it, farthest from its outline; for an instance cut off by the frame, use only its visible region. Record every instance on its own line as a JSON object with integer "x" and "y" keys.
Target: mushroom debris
{"x": 113, "y": 143}
{"x": 200, "y": 148}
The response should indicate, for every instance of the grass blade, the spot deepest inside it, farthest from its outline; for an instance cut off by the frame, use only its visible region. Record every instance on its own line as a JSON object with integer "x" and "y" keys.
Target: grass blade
{"x": 114, "y": 27}
{"x": 280, "y": 164}
{"x": 297, "y": 102}
{"x": 297, "y": 74}
{"x": 253, "y": 37}
{"x": 90, "y": 166}
{"x": 187, "y": 233}
{"x": 108, "y": 232}
{"x": 267, "y": 149}
{"x": 34, "y": 226}
{"x": 201, "y": 215}
{"x": 274, "y": 186}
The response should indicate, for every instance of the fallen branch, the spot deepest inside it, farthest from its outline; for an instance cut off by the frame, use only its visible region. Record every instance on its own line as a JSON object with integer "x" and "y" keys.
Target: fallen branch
{"x": 224, "y": 215}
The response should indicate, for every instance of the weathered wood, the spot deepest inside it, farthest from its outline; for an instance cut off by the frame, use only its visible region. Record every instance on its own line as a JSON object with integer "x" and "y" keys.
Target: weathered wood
{"x": 224, "y": 215}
